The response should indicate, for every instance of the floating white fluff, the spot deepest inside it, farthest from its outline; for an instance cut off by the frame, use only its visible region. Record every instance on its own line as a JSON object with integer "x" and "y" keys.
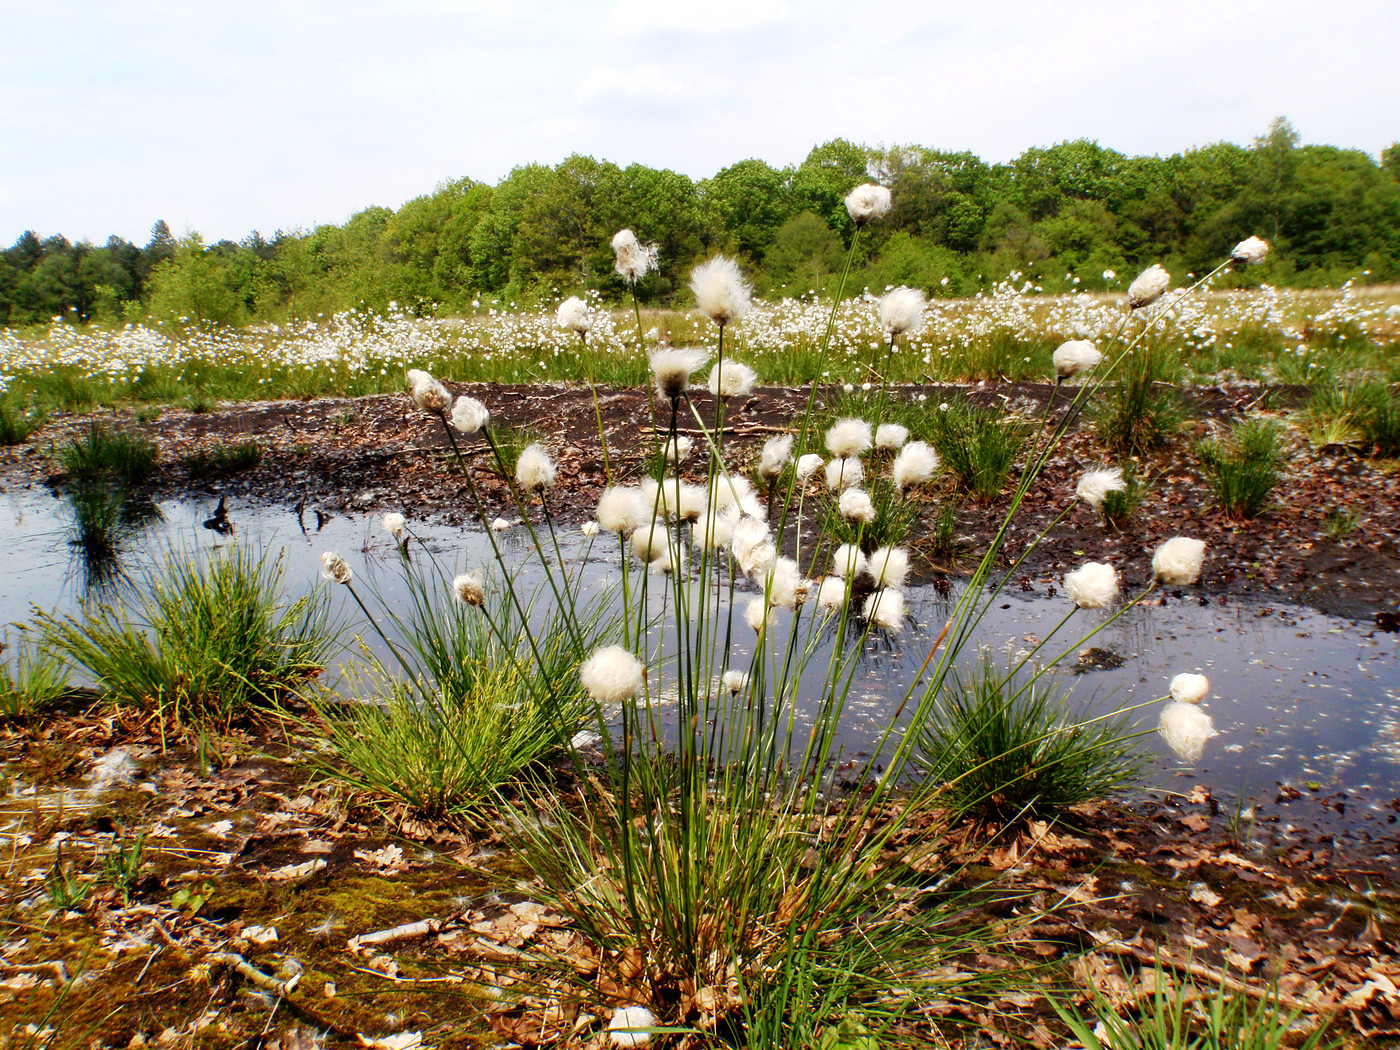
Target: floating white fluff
{"x": 720, "y": 293}
{"x": 915, "y": 464}
{"x": 1186, "y": 728}
{"x": 844, "y": 474}
{"x": 469, "y": 588}
{"x": 891, "y": 435}
{"x": 622, "y": 509}
{"x": 1149, "y": 286}
{"x": 777, "y": 451}
{"x": 867, "y": 202}
{"x": 612, "y": 675}
{"x": 394, "y": 525}
{"x": 888, "y": 566}
{"x": 1179, "y": 560}
{"x": 848, "y": 560}
{"x": 855, "y": 505}
{"x": 1187, "y": 688}
{"x": 1074, "y": 357}
{"x": 885, "y": 609}
{"x": 848, "y": 437}
{"x": 469, "y": 415}
{"x": 752, "y": 546}
{"x": 671, "y": 368}
{"x": 1249, "y": 251}
{"x": 732, "y": 379}
{"x": 1098, "y": 483}
{"x": 1094, "y": 585}
{"x": 534, "y": 470}
{"x": 902, "y": 311}
{"x": 574, "y": 315}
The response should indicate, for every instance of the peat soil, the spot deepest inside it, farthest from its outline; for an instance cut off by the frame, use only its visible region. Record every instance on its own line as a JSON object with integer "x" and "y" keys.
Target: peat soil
{"x": 250, "y": 855}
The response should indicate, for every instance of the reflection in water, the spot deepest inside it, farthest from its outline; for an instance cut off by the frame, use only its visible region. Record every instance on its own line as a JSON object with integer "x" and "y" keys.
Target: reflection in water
{"x": 106, "y": 518}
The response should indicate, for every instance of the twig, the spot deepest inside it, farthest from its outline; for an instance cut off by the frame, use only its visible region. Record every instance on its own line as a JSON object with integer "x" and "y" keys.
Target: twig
{"x": 406, "y": 932}
{"x": 247, "y": 970}
{"x": 59, "y": 970}
{"x": 1204, "y": 973}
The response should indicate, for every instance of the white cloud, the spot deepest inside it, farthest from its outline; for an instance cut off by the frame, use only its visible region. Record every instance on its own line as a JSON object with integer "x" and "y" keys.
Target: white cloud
{"x": 635, "y": 17}
{"x": 647, "y": 83}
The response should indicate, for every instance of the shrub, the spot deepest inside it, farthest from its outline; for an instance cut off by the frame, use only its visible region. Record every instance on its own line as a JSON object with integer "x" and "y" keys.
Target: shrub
{"x": 199, "y": 637}
{"x": 978, "y": 445}
{"x": 1005, "y": 750}
{"x": 1242, "y": 468}
{"x": 1138, "y": 411}
{"x": 115, "y": 454}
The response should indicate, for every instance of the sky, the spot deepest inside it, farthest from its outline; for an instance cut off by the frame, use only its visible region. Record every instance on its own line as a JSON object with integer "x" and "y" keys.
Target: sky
{"x": 224, "y": 117}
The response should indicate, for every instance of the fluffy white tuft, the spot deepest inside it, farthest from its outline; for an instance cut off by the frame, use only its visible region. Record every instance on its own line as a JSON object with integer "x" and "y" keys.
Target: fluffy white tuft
{"x": 848, "y": 560}
{"x": 534, "y": 470}
{"x": 1098, "y": 483}
{"x": 394, "y": 525}
{"x": 715, "y": 528}
{"x": 732, "y": 379}
{"x": 752, "y": 545}
{"x": 732, "y": 491}
{"x": 885, "y": 609}
{"x": 427, "y": 393}
{"x": 867, "y": 202}
{"x": 844, "y": 474}
{"x": 915, "y": 465}
{"x": 671, "y": 368}
{"x": 677, "y": 449}
{"x": 902, "y": 312}
{"x": 784, "y": 584}
{"x": 1186, "y": 728}
{"x": 758, "y": 614}
{"x": 777, "y": 452}
{"x": 631, "y": 1025}
{"x": 469, "y": 415}
{"x": 808, "y": 465}
{"x": 622, "y": 509}
{"x": 831, "y": 595}
{"x": 469, "y": 588}
{"x": 1074, "y": 357}
{"x": 633, "y": 259}
{"x": 849, "y": 437}
{"x": 855, "y": 505}
{"x": 1187, "y": 688}
{"x": 1093, "y": 585}
{"x": 333, "y": 568}
{"x": 612, "y": 675}
{"x": 1179, "y": 560}
{"x": 1249, "y": 251}
{"x": 589, "y": 529}
{"x": 720, "y": 293}
{"x": 734, "y": 682}
{"x": 891, "y": 435}
{"x": 888, "y": 566}
{"x": 1149, "y": 286}
{"x": 573, "y": 314}
{"x": 652, "y": 543}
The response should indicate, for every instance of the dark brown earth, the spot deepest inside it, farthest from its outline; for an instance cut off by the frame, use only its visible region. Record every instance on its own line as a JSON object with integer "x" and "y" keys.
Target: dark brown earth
{"x": 381, "y": 453}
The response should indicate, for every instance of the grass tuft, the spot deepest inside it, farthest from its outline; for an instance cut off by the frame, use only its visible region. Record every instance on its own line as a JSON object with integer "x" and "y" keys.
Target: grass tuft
{"x": 117, "y": 455}
{"x": 1242, "y": 467}
{"x": 31, "y": 677}
{"x": 978, "y": 446}
{"x": 223, "y": 459}
{"x": 1141, "y": 409}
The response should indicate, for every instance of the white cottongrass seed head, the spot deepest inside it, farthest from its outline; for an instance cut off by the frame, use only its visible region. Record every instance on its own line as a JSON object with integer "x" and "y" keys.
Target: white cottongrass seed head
{"x": 395, "y": 525}
{"x": 902, "y": 312}
{"x": 1249, "y": 251}
{"x": 671, "y": 368}
{"x": 885, "y": 609}
{"x": 1149, "y": 286}
{"x": 844, "y": 474}
{"x": 633, "y": 260}
{"x": 715, "y": 529}
{"x": 469, "y": 588}
{"x": 1188, "y": 688}
{"x": 831, "y": 594}
{"x": 733, "y": 491}
{"x": 732, "y": 379}
{"x": 784, "y": 584}
{"x": 888, "y": 566}
{"x": 855, "y": 505}
{"x": 720, "y": 291}
{"x": 1098, "y": 483}
{"x": 333, "y": 568}
{"x": 589, "y": 529}
{"x": 808, "y": 465}
{"x": 534, "y": 470}
{"x": 1186, "y": 728}
{"x": 752, "y": 546}
{"x": 427, "y": 393}
{"x": 677, "y": 449}
{"x": 1075, "y": 357}
{"x": 848, "y": 560}
{"x": 849, "y": 437}
{"x": 915, "y": 465}
{"x": 612, "y": 675}
{"x": 622, "y": 509}
{"x": 891, "y": 435}
{"x": 734, "y": 682}
{"x": 1094, "y": 585}
{"x": 776, "y": 454}
{"x": 652, "y": 543}
{"x": 1179, "y": 560}
{"x": 573, "y": 314}
{"x": 469, "y": 415}
{"x": 867, "y": 202}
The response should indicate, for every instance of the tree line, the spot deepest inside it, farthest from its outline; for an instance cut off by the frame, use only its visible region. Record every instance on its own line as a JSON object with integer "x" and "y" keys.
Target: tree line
{"x": 1072, "y": 215}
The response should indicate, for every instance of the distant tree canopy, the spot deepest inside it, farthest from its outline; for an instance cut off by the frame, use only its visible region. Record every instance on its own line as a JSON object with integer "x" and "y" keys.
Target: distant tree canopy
{"x": 1071, "y": 210}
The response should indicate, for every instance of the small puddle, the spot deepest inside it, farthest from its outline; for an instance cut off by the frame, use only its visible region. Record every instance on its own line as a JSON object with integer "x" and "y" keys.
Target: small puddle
{"x": 1299, "y": 698}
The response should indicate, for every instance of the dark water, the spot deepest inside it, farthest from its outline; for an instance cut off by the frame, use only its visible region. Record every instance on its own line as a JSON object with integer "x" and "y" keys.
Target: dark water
{"x": 1298, "y": 698}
